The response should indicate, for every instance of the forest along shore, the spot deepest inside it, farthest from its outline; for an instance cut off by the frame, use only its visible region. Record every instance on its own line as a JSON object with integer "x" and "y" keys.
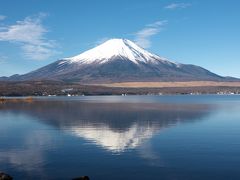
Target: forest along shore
{"x": 53, "y": 88}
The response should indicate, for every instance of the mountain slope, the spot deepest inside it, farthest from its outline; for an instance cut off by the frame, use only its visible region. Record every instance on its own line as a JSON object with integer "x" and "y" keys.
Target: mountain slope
{"x": 119, "y": 60}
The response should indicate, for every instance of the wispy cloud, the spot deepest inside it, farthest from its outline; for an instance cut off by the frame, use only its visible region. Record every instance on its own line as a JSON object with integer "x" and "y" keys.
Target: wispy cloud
{"x": 174, "y": 6}
{"x": 143, "y": 36}
{"x": 2, "y": 17}
{"x": 3, "y": 58}
{"x": 100, "y": 41}
{"x": 30, "y": 34}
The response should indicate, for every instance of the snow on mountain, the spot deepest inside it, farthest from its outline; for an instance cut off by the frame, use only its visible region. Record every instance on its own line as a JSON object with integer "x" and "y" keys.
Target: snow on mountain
{"x": 116, "y": 48}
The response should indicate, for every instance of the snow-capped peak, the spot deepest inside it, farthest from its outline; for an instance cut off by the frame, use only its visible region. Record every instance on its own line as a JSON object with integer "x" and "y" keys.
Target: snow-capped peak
{"x": 115, "y": 48}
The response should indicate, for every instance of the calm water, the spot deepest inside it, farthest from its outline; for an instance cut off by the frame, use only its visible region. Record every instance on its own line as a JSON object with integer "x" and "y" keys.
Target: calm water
{"x": 131, "y": 137}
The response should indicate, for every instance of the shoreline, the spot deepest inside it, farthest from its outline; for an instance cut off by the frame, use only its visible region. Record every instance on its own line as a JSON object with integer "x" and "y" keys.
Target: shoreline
{"x": 20, "y": 89}
{"x": 171, "y": 84}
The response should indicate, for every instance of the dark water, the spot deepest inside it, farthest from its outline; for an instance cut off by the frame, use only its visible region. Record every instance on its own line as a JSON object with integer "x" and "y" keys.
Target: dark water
{"x": 131, "y": 137}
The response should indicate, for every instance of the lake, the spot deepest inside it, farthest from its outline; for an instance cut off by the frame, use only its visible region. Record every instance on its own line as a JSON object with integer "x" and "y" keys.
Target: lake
{"x": 122, "y": 137}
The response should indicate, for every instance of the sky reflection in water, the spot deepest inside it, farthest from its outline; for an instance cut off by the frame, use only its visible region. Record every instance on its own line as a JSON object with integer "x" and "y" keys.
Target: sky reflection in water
{"x": 141, "y": 137}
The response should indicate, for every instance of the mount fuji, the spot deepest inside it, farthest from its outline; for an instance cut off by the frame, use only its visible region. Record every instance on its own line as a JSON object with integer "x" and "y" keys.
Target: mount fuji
{"x": 119, "y": 60}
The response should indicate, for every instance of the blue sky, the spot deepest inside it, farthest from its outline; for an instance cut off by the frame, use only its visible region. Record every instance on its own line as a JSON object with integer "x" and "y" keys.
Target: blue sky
{"x": 34, "y": 33}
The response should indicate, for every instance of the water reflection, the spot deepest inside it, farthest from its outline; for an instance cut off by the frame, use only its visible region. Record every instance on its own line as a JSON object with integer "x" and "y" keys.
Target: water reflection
{"x": 23, "y": 144}
{"x": 116, "y": 127}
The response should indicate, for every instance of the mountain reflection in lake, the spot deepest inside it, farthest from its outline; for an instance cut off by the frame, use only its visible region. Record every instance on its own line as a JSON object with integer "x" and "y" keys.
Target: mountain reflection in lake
{"x": 61, "y": 139}
{"x": 114, "y": 126}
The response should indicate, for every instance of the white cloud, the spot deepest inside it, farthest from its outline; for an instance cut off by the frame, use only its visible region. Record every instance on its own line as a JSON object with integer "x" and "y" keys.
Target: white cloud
{"x": 174, "y": 6}
{"x": 2, "y": 17}
{"x": 143, "y": 36}
{"x": 30, "y": 35}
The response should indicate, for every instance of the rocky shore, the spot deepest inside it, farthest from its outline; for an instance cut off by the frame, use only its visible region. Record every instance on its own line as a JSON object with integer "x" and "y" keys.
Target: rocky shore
{"x": 4, "y": 176}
